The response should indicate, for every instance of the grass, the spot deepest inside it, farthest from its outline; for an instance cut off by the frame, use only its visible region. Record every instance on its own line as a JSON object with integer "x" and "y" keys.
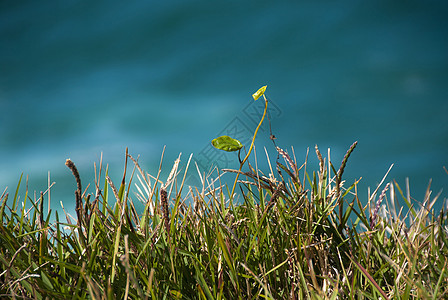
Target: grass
{"x": 293, "y": 234}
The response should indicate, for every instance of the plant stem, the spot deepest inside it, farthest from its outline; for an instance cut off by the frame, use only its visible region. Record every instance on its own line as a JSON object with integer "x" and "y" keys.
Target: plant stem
{"x": 251, "y": 145}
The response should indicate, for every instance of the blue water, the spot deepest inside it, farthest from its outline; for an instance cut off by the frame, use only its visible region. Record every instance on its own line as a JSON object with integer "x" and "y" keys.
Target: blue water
{"x": 78, "y": 79}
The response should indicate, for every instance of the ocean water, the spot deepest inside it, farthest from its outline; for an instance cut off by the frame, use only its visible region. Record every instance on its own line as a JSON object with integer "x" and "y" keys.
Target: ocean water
{"x": 80, "y": 79}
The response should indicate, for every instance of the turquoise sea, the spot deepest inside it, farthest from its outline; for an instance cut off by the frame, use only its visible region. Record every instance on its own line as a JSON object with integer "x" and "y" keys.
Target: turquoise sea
{"x": 81, "y": 78}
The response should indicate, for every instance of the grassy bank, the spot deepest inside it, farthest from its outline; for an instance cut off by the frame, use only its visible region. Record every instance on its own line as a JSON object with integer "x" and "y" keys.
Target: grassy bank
{"x": 290, "y": 236}
{"x": 282, "y": 233}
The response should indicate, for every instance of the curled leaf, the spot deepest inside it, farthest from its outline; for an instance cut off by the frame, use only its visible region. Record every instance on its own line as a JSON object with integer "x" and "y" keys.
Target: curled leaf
{"x": 259, "y": 93}
{"x": 226, "y": 143}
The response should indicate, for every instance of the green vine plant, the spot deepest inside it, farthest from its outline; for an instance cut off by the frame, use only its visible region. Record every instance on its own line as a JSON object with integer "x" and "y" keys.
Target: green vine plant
{"x": 229, "y": 144}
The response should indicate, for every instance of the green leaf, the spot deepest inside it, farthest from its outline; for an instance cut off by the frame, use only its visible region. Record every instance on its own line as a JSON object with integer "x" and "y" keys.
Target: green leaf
{"x": 259, "y": 93}
{"x": 226, "y": 143}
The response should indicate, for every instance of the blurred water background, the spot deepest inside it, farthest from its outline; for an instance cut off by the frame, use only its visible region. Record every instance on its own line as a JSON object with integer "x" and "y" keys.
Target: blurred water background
{"x": 81, "y": 78}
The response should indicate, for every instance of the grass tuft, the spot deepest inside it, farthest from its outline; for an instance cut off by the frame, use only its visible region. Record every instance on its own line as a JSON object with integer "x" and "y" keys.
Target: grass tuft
{"x": 289, "y": 235}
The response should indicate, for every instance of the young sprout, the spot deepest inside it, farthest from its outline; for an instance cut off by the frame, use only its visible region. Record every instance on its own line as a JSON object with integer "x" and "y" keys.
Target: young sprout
{"x": 229, "y": 144}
